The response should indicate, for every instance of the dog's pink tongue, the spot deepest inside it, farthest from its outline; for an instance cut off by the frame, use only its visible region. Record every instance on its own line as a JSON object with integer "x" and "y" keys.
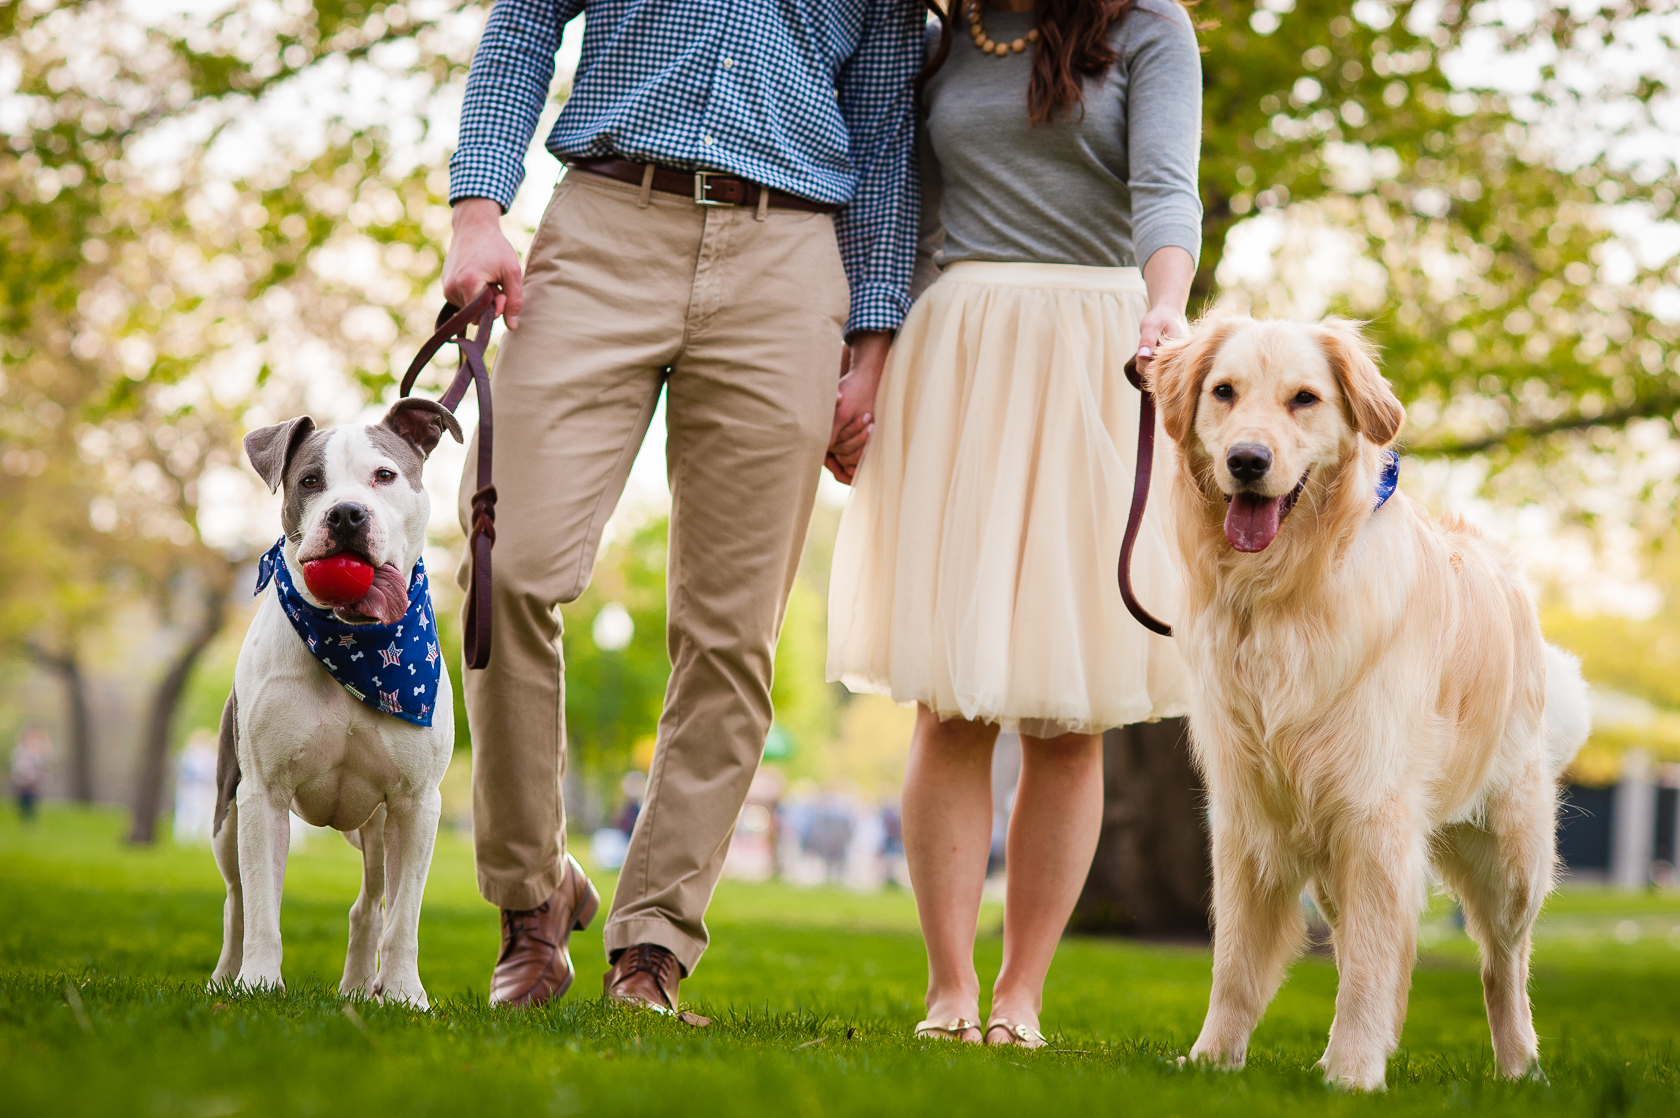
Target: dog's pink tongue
{"x": 387, "y": 598}
{"x": 1251, "y": 521}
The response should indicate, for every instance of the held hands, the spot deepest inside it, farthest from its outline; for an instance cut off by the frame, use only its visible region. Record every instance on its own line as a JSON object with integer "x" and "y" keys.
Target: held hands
{"x": 480, "y": 256}
{"x": 860, "y": 374}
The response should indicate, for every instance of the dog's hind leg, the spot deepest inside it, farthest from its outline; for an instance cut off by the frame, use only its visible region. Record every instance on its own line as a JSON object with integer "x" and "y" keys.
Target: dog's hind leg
{"x": 410, "y": 833}
{"x": 225, "y": 842}
{"x": 367, "y": 915}
{"x": 1258, "y": 927}
{"x": 1375, "y": 886}
{"x": 1502, "y": 874}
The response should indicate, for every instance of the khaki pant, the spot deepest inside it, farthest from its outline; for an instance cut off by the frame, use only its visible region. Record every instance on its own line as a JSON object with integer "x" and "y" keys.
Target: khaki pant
{"x": 738, "y": 317}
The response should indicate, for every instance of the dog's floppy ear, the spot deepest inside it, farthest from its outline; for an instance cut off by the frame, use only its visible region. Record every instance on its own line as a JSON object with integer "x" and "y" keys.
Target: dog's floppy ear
{"x": 1180, "y": 367}
{"x": 1377, "y": 412}
{"x": 270, "y": 448}
{"x": 421, "y": 422}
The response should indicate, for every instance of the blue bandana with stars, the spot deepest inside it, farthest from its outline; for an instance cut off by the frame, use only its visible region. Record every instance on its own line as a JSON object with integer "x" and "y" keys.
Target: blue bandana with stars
{"x": 1390, "y": 479}
{"x": 391, "y": 668}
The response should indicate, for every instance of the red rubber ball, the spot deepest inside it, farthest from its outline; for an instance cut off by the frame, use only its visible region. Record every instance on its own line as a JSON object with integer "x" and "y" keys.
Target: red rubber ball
{"x": 338, "y": 580}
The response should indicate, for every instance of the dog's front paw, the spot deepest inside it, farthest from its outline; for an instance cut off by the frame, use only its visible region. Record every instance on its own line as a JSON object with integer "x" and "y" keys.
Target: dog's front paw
{"x": 1346, "y": 1074}
{"x": 405, "y": 991}
{"x": 260, "y": 978}
{"x": 1209, "y": 1051}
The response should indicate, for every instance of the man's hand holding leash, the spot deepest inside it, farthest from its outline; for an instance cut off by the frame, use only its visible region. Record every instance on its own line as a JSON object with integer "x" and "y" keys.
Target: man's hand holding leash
{"x": 479, "y": 254}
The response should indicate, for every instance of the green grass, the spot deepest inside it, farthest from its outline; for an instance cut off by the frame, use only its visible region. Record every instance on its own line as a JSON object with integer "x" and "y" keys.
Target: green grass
{"x": 104, "y": 951}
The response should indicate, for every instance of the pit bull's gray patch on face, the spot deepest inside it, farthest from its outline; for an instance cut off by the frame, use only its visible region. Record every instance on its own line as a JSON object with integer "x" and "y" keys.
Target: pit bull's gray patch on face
{"x": 271, "y": 448}
{"x": 308, "y": 463}
{"x": 405, "y": 454}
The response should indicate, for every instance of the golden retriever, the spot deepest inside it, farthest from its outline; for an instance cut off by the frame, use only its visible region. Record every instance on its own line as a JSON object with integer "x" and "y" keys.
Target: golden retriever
{"x": 1373, "y": 694}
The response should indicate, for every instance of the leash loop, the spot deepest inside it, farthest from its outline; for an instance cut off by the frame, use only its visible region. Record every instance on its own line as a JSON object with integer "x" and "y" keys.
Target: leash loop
{"x": 1140, "y": 498}
{"x": 452, "y": 325}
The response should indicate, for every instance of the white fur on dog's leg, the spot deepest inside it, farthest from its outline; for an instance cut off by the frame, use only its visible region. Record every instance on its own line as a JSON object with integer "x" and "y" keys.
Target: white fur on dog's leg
{"x": 1257, "y": 930}
{"x": 410, "y": 833}
{"x": 367, "y": 915}
{"x": 1502, "y": 873}
{"x": 264, "y": 839}
{"x": 1376, "y": 887}
{"x": 225, "y": 844}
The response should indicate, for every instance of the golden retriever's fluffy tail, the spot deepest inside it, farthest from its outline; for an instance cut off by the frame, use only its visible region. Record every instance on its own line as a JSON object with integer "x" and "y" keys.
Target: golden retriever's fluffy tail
{"x": 1568, "y": 718}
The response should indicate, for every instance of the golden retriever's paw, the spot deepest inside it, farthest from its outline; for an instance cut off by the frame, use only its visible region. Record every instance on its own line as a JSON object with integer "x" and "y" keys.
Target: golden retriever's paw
{"x": 1213, "y": 1055}
{"x": 1350, "y": 1075}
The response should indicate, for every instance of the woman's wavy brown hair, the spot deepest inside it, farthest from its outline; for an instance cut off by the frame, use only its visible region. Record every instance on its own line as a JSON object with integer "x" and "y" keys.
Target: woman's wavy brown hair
{"x": 1073, "y": 46}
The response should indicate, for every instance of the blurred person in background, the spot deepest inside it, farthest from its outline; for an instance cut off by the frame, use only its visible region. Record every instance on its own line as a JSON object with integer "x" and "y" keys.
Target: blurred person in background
{"x": 31, "y": 756}
{"x": 974, "y": 570}
{"x": 739, "y": 207}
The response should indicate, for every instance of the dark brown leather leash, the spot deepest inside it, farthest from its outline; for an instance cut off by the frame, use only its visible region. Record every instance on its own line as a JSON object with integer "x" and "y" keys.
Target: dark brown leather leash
{"x": 1140, "y": 498}
{"x": 452, "y": 323}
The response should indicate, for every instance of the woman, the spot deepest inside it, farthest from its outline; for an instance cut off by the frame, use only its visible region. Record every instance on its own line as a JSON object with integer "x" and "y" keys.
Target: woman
{"x": 974, "y": 573}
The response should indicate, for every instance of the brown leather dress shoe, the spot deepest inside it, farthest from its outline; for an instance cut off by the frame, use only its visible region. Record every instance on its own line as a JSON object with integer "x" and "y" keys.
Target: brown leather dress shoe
{"x": 647, "y": 975}
{"x": 534, "y": 965}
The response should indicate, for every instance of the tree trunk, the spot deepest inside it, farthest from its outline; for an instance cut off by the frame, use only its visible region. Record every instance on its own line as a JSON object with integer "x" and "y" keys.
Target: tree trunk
{"x": 148, "y": 792}
{"x": 80, "y": 726}
{"x": 1152, "y": 876}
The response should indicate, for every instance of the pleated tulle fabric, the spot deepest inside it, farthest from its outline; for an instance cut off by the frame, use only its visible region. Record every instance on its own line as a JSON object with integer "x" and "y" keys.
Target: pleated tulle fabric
{"x": 975, "y": 566}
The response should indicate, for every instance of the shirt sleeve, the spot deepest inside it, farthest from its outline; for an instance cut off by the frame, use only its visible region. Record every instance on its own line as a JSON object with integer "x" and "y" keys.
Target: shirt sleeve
{"x": 877, "y": 228}
{"x": 506, "y": 89}
{"x": 1164, "y": 130}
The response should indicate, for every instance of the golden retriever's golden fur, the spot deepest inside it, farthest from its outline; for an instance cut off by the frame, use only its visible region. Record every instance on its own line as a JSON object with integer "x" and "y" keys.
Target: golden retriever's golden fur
{"x": 1373, "y": 694}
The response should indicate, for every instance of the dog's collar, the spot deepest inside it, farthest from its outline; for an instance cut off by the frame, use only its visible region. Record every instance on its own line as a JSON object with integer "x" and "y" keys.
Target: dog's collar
{"x": 1390, "y": 479}
{"x": 395, "y": 669}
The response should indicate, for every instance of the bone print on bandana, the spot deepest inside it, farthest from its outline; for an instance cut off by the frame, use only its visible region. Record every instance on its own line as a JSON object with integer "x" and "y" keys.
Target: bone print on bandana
{"x": 323, "y": 632}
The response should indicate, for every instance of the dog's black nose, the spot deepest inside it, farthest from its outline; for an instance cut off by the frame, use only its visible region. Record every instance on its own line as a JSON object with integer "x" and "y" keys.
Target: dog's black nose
{"x": 346, "y": 517}
{"x": 1248, "y": 461}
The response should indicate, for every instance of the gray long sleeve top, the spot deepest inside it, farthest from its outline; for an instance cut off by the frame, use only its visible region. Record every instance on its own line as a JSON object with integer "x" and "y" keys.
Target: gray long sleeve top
{"x": 1107, "y": 186}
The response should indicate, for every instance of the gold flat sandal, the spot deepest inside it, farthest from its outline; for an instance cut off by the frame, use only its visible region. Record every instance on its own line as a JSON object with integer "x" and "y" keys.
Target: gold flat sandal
{"x": 946, "y": 1030}
{"x": 1015, "y": 1034}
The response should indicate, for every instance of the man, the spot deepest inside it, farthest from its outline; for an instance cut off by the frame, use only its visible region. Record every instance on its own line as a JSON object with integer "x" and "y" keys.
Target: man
{"x": 740, "y": 201}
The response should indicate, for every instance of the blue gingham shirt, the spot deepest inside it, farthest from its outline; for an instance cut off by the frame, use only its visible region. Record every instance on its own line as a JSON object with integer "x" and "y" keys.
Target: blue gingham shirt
{"x": 811, "y": 97}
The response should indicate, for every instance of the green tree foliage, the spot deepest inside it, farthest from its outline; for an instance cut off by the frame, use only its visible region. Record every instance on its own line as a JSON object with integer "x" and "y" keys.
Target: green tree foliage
{"x": 1505, "y": 302}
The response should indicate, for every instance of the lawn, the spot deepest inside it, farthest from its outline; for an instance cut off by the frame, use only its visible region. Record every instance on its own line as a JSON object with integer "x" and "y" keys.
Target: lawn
{"x": 104, "y": 951}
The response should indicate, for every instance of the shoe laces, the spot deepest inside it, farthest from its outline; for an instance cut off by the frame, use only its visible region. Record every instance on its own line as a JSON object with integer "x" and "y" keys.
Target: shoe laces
{"x": 650, "y": 959}
{"x": 522, "y": 923}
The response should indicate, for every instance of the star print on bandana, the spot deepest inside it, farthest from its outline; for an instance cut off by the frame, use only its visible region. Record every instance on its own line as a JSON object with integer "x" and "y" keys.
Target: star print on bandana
{"x": 321, "y": 630}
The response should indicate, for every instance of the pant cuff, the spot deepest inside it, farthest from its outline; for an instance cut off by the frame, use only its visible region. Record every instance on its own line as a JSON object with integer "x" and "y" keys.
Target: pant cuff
{"x": 622, "y": 934}
{"x": 520, "y": 895}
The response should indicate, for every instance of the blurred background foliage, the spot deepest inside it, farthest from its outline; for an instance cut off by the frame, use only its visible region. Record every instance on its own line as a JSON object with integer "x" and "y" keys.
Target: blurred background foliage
{"x": 221, "y": 213}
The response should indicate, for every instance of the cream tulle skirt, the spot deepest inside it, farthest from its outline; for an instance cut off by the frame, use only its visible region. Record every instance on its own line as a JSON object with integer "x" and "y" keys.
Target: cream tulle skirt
{"x": 975, "y": 568}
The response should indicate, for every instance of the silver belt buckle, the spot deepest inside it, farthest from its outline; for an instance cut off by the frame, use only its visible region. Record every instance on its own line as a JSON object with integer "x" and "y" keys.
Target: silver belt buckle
{"x": 700, "y": 186}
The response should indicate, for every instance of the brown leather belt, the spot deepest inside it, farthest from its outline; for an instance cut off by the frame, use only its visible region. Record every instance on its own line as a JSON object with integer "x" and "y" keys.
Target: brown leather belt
{"x": 452, "y": 324}
{"x": 705, "y": 188}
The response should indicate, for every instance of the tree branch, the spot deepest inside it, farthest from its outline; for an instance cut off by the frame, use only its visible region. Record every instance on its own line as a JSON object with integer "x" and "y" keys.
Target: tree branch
{"x": 1653, "y": 407}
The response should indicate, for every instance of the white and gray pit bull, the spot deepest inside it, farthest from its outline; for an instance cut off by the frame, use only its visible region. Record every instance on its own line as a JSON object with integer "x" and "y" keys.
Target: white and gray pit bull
{"x": 294, "y": 738}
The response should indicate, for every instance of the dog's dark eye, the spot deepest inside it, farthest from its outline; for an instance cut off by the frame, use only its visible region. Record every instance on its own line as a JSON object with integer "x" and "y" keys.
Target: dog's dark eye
{"x": 1223, "y": 392}
{"x": 1304, "y": 399}
{"x": 310, "y": 481}
{"x": 386, "y": 475}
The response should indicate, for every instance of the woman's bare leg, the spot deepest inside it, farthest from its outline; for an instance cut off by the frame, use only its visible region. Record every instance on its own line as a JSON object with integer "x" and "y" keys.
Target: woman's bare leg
{"x": 947, "y": 836}
{"x": 1053, "y": 830}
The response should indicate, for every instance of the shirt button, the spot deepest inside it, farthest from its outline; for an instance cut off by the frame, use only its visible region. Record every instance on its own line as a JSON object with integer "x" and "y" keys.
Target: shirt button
{"x": 728, "y": 62}
{"x": 707, "y": 140}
